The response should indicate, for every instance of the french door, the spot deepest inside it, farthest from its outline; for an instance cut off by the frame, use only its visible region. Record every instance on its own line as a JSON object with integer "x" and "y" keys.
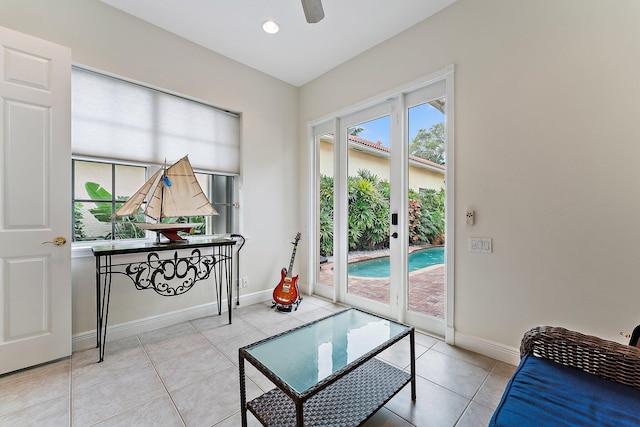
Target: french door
{"x": 380, "y": 174}
{"x": 364, "y": 206}
{"x": 425, "y": 166}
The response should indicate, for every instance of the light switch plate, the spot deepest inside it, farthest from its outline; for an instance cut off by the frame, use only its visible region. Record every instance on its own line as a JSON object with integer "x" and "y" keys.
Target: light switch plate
{"x": 482, "y": 245}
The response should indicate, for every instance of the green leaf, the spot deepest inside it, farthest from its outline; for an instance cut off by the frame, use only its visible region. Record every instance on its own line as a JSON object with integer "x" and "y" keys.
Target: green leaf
{"x": 96, "y": 191}
{"x": 102, "y": 211}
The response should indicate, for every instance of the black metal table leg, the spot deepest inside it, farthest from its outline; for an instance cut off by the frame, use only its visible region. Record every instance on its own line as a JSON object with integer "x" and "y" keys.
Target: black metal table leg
{"x": 98, "y": 280}
{"x": 168, "y": 275}
{"x": 241, "y": 237}
{"x": 229, "y": 279}
{"x": 103, "y": 293}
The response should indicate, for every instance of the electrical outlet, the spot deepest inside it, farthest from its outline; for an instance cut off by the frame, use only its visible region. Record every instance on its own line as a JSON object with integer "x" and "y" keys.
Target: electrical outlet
{"x": 244, "y": 282}
{"x": 471, "y": 217}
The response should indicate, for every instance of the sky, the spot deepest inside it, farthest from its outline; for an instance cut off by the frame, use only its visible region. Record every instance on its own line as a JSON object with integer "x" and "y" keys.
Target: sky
{"x": 420, "y": 117}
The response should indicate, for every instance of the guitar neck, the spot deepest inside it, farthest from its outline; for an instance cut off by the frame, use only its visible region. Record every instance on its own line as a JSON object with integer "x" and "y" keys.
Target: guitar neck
{"x": 293, "y": 255}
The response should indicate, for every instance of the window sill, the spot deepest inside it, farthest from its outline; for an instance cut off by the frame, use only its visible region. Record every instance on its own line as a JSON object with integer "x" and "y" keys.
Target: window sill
{"x": 83, "y": 249}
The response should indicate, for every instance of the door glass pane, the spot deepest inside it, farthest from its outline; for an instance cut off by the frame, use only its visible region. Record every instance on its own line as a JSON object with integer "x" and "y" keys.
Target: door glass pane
{"x": 325, "y": 145}
{"x": 426, "y": 208}
{"x": 368, "y": 171}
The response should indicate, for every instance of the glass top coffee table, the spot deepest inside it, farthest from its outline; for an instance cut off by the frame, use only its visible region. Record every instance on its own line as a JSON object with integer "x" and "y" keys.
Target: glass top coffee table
{"x": 325, "y": 372}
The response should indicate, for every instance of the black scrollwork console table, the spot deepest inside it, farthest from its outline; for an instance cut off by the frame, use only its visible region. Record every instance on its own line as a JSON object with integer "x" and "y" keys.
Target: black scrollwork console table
{"x": 169, "y": 269}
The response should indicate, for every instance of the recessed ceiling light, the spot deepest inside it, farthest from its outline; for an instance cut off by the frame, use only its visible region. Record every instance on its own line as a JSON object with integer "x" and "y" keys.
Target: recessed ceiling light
{"x": 270, "y": 27}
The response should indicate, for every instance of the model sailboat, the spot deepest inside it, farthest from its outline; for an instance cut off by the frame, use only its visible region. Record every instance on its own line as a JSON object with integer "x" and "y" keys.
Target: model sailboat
{"x": 170, "y": 193}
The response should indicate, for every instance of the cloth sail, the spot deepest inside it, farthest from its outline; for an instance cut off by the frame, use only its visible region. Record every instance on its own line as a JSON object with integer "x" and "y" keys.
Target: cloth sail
{"x": 173, "y": 192}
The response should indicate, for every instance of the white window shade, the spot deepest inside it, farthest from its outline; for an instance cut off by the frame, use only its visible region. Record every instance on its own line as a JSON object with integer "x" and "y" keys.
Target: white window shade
{"x": 119, "y": 120}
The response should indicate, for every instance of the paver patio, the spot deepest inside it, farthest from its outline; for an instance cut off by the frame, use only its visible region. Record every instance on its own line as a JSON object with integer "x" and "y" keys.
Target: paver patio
{"x": 426, "y": 288}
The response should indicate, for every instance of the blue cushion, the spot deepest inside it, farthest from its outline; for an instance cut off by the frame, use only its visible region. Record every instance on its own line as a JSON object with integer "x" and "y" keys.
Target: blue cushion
{"x": 544, "y": 393}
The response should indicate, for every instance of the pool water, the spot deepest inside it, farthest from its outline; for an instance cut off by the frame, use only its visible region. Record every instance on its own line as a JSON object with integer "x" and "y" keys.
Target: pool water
{"x": 379, "y": 267}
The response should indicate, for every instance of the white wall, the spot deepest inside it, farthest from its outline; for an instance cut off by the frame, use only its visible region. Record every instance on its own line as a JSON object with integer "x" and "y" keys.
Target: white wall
{"x": 106, "y": 39}
{"x": 547, "y": 153}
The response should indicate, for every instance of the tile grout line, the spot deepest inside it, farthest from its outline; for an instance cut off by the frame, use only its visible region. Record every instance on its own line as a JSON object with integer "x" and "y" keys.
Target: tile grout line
{"x": 468, "y": 411}
{"x": 232, "y": 363}
{"x": 161, "y": 380}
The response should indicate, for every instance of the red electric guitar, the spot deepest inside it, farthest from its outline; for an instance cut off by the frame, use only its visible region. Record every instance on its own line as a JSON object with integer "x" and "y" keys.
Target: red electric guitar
{"x": 286, "y": 293}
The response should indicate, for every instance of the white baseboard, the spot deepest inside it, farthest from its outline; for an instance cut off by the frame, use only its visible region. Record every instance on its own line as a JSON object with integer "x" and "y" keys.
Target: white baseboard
{"x": 255, "y": 298}
{"x": 488, "y": 348}
{"x": 449, "y": 335}
{"x": 87, "y": 339}
{"x": 84, "y": 340}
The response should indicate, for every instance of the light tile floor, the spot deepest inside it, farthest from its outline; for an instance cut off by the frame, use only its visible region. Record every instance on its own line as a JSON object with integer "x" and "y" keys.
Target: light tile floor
{"x": 187, "y": 374}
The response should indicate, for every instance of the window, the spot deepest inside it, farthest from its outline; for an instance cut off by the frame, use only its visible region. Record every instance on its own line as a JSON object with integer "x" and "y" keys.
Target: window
{"x": 100, "y": 188}
{"x": 123, "y": 132}
{"x": 221, "y": 190}
{"x": 97, "y": 189}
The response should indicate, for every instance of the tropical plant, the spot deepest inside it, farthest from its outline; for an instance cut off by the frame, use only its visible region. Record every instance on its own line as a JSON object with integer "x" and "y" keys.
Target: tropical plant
{"x": 326, "y": 215}
{"x": 368, "y": 220}
{"x": 429, "y": 144}
{"x": 102, "y": 212}
{"x": 123, "y": 229}
{"x": 416, "y": 229}
{"x": 355, "y": 131}
{"x": 200, "y": 229}
{"x": 78, "y": 226}
{"x": 432, "y": 219}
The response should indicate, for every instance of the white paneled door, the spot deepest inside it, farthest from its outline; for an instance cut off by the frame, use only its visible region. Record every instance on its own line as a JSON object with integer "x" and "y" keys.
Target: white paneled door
{"x": 35, "y": 204}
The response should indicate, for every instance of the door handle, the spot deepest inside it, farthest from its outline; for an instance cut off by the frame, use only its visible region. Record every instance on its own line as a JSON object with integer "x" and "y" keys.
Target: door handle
{"x": 394, "y": 235}
{"x": 58, "y": 241}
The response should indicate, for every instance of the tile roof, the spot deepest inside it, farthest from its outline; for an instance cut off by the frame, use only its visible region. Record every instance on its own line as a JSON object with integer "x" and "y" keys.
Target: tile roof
{"x": 378, "y": 146}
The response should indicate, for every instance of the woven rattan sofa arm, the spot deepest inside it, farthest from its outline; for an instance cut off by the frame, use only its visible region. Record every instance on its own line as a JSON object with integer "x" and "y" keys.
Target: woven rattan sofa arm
{"x": 608, "y": 359}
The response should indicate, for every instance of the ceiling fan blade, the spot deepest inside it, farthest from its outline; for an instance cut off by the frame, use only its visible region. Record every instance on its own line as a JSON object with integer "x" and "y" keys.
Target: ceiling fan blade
{"x": 313, "y": 10}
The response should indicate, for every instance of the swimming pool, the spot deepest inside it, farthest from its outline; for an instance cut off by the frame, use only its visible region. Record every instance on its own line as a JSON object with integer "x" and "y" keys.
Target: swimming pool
{"x": 379, "y": 267}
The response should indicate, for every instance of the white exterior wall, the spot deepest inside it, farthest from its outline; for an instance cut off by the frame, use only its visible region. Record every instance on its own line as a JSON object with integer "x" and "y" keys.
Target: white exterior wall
{"x": 419, "y": 177}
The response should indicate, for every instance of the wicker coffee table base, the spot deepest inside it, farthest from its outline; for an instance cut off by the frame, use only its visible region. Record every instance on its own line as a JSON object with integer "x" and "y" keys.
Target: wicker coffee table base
{"x": 350, "y": 401}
